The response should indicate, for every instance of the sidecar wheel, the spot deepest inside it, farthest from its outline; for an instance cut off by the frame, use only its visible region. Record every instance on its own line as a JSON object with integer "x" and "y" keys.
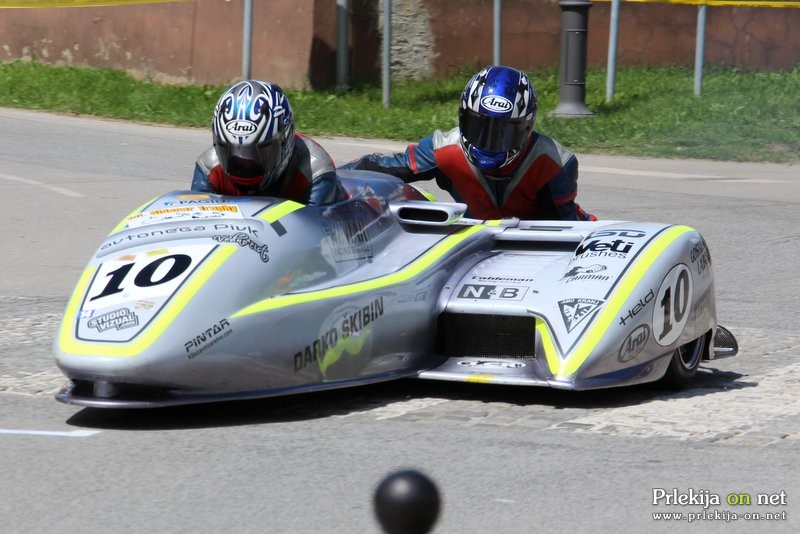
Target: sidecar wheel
{"x": 684, "y": 364}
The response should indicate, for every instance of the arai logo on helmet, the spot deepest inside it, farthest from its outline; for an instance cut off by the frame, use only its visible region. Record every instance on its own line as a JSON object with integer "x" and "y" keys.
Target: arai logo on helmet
{"x": 496, "y": 103}
{"x": 241, "y": 127}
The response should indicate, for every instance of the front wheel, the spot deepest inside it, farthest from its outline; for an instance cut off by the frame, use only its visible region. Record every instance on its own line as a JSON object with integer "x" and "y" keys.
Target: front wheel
{"x": 684, "y": 364}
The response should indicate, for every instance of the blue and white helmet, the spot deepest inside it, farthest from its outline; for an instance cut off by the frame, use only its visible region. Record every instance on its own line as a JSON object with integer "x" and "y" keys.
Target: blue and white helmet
{"x": 253, "y": 131}
{"x": 496, "y": 116}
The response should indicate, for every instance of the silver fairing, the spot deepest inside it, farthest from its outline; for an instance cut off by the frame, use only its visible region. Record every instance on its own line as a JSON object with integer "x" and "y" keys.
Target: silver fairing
{"x": 603, "y": 303}
{"x": 201, "y": 297}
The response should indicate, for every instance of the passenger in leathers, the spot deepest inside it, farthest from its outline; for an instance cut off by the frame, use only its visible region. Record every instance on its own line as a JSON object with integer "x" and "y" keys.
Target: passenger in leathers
{"x": 494, "y": 161}
{"x": 255, "y": 150}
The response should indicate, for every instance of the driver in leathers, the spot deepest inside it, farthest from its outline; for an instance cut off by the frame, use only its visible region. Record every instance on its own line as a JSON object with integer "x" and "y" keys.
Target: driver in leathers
{"x": 255, "y": 150}
{"x": 494, "y": 161}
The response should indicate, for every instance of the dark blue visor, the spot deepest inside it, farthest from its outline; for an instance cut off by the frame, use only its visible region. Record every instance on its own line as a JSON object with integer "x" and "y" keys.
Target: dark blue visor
{"x": 495, "y": 134}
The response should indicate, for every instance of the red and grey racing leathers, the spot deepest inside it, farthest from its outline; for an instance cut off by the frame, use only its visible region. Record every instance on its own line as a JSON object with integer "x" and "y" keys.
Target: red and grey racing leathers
{"x": 541, "y": 183}
{"x": 309, "y": 177}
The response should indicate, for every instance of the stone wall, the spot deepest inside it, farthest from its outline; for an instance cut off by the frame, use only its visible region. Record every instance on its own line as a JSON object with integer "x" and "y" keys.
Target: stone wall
{"x": 294, "y": 42}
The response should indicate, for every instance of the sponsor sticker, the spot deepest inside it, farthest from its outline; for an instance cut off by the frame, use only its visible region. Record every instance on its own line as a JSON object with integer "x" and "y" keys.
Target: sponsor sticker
{"x": 245, "y": 241}
{"x": 619, "y": 232}
{"x": 634, "y": 343}
{"x": 701, "y": 257}
{"x": 575, "y": 311}
{"x": 347, "y": 237}
{"x": 492, "y": 364}
{"x": 503, "y": 279}
{"x": 355, "y": 324}
{"x": 636, "y": 308}
{"x": 241, "y": 128}
{"x": 182, "y": 213}
{"x": 207, "y": 338}
{"x": 119, "y": 319}
{"x": 588, "y": 273}
{"x": 597, "y": 248}
{"x": 497, "y": 103}
{"x": 491, "y": 292}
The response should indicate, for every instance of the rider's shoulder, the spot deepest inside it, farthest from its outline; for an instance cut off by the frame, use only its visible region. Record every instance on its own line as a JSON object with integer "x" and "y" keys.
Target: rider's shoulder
{"x": 208, "y": 160}
{"x": 441, "y": 139}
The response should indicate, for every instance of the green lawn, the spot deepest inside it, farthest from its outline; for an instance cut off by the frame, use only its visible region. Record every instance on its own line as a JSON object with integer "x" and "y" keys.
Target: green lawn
{"x": 741, "y": 116}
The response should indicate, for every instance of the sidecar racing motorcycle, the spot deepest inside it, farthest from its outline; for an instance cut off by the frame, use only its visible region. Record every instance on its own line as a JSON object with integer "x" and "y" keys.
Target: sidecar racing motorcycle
{"x": 198, "y": 298}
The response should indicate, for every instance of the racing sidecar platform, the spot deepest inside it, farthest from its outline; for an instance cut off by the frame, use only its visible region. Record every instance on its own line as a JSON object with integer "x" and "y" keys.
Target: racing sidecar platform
{"x": 200, "y": 297}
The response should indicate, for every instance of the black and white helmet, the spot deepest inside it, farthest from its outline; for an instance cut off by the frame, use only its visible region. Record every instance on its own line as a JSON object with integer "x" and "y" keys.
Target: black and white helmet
{"x": 253, "y": 131}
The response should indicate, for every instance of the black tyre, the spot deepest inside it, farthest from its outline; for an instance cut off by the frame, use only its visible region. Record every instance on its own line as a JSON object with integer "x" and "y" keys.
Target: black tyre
{"x": 684, "y": 364}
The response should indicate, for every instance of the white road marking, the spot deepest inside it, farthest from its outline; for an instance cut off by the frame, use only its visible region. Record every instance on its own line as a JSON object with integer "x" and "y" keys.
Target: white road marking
{"x": 54, "y": 188}
{"x": 751, "y": 181}
{"x": 679, "y": 175}
{"x": 363, "y": 143}
{"x": 655, "y": 174}
{"x": 63, "y": 434}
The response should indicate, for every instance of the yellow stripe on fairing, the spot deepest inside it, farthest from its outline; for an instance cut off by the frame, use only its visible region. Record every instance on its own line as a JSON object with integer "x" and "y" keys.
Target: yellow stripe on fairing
{"x": 549, "y": 347}
{"x": 70, "y": 345}
{"x": 124, "y": 222}
{"x": 613, "y": 306}
{"x": 71, "y": 315}
{"x": 479, "y": 379}
{"x": 276, "y": 212}
{"x": 411, "y": 270}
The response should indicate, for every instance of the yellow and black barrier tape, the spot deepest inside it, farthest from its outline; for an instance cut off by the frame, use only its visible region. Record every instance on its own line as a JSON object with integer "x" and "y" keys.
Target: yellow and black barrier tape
{"x": 78, "y": 3}
{"x": 717, "y": 3}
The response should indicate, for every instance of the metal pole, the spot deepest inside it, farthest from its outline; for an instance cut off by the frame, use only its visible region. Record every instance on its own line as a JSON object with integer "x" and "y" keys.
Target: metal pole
{"x": 342, "y": 47}
{"x": 387, "y": 53}
{"x": 247, "y": 39}
{"x": 498, "y": 32}
{"x": 613, "y": 37}
{"x": 699, "y": 49}
{"x": 572, "y": 71}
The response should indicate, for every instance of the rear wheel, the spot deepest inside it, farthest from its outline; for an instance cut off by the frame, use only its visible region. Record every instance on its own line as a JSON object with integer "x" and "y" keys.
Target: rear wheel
{"x": 684, "y": 364}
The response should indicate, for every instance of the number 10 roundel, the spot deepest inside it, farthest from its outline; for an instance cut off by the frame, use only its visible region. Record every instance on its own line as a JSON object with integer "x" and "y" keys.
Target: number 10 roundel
{"x": 671, "y": 311}
{"x": 128, "y": 291}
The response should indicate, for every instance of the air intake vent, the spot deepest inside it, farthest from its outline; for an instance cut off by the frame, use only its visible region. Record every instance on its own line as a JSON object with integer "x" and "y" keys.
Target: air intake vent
{"x": 482, "y": 336}
{"x": 428, "y": 213}
{"x": 422, "y": 215}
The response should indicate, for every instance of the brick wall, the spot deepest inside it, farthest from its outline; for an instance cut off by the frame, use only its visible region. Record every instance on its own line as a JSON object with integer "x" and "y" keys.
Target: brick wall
{"x": 294, "y": 43}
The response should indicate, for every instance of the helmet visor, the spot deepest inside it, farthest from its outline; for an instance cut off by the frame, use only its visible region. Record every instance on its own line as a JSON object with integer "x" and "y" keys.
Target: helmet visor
{"x": 270, "y": 156}
{"x": 250, "y": 166}
{"x": 244, "y": 168}
{"x": 494, "y": 134}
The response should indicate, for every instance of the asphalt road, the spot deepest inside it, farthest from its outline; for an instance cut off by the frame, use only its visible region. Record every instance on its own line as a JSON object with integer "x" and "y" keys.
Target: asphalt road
{"x": 506, "y": 460}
